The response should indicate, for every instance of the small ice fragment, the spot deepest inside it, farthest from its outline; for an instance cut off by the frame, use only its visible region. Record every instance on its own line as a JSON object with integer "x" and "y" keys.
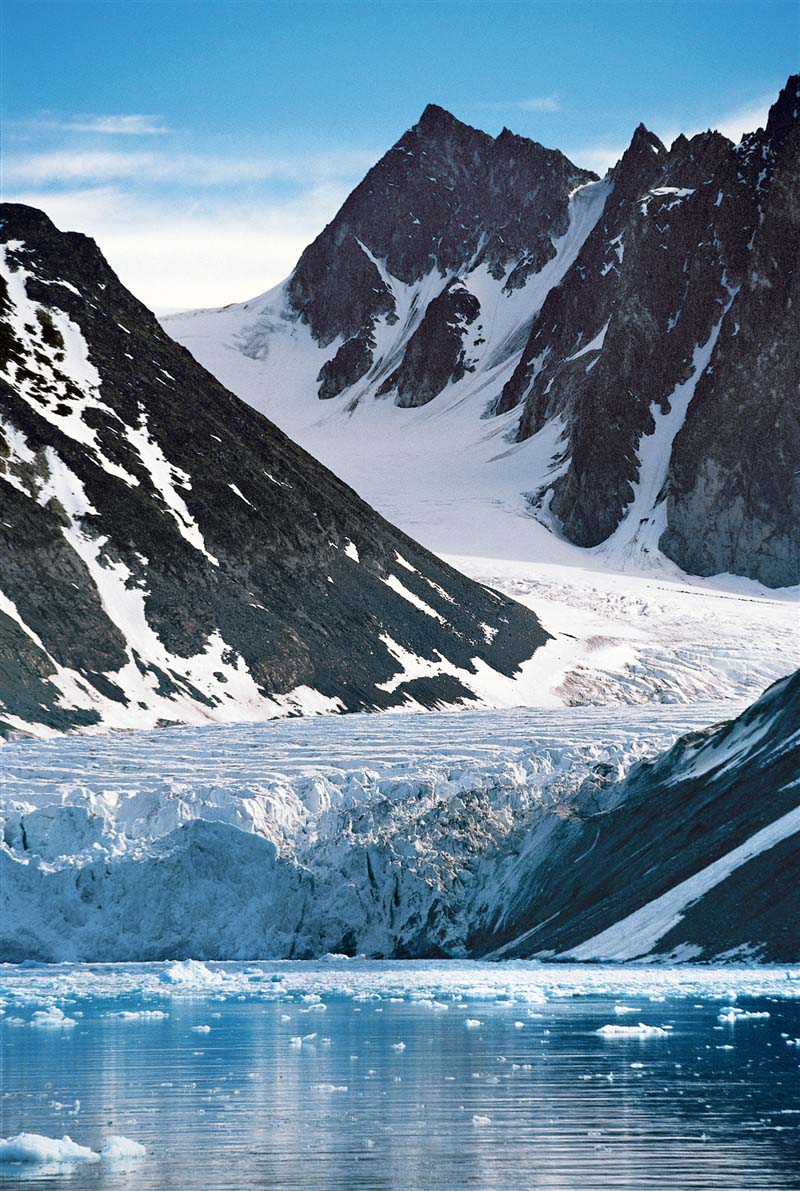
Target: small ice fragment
{"x": 119, "y": 1149}
{"x": 398, "y": 1046}
{"x": 472, "y": 1023}
{"x": 201, "y": 1029}
{"x": 481, "y": 1120}
{"x": 731, "y": 1014}
{"x": 640, "y": 1031}
{"x": 52, "y": 1019}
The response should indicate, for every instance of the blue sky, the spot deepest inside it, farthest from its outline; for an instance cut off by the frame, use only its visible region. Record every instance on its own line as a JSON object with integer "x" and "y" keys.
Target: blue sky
{"x": 205, "y": 142}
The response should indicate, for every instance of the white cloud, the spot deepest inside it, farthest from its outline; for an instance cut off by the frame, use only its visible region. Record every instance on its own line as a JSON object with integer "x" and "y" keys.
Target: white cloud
{"x": 133, "y": 125}
{"x": 541, "y": 103}
{"x": 598, "y": 157}
{"x": 99, "y": 166}
{"x": 173, "y": 256}
{"x": 735, "y": 124}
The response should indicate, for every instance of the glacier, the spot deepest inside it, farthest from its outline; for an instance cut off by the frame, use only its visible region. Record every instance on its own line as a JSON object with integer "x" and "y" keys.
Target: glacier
{"x": 391, "y": 835}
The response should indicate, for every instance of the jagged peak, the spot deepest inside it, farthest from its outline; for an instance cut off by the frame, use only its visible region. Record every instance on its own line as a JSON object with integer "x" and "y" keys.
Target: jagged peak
{"x": 436, "y": 119}
{"x": 784, "y": 115}
{"x": 640, "y": 162}
{"x": 643, "y": 136}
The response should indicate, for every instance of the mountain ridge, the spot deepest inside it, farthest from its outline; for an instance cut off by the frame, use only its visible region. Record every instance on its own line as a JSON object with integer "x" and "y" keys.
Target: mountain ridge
{"x": 601, "y": 353}
{"x": 168, "y": 554}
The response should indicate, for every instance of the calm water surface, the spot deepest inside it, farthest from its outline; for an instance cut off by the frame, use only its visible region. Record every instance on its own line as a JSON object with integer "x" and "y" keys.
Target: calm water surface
{"x": 542, "y": 1104}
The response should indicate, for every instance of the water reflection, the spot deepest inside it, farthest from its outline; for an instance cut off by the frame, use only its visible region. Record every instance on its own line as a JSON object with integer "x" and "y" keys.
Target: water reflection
{"x": 526, "y": 1099}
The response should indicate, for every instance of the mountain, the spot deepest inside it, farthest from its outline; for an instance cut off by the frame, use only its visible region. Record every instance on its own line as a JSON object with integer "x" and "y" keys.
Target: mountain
{"x": 571, "y": 846}
{"x": 167, "y": 554}
{"x": 617, "y": 359}
{"x": 660, "y": 864}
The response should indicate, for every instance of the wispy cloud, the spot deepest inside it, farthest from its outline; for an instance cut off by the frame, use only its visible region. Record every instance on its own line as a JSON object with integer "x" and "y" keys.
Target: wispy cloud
{"x": 109, "y": 125}
{"x": 99, "y": 166}
{"x": 540, "y": 103}
{"x": 734, "y": 124}
{"x": 210, "y": 251}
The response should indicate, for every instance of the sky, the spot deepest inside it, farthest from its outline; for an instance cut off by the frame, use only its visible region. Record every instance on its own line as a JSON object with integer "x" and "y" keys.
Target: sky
{"x": 204, "y": 143}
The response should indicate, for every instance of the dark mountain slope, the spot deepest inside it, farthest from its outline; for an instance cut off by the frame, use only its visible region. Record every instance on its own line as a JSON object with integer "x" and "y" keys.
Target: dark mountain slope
{"x": 644, "y": 325}
{"x": 682, "y": 304}
{"x": 663, "y": 862}
{"x": 448, "y": 198}
{"x": 167, "y": 553}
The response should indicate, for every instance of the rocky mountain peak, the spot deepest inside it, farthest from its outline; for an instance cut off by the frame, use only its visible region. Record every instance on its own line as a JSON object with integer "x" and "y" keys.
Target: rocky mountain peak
{"x": 639, "y": 164}
{"x": 784, "y": 114}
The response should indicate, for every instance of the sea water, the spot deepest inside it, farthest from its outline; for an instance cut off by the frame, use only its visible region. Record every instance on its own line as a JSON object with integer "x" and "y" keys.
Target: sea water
{"x": 355, "y": 1074}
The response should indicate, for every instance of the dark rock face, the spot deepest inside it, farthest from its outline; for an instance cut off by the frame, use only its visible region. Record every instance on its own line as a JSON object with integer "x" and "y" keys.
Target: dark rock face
{"x": 734, "y": 484}
{"x": 352, "y": 361}
{"x": 697, "y": 246}
{"x": 446, "y": 197}
{"x": 650, "y": 319}
{"x": 436, "y": 352}
{"x": 162, "y": 546}
{"x": 667, "y": 821}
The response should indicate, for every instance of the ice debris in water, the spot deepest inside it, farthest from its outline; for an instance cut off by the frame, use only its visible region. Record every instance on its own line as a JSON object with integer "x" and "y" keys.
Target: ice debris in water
{"x": 190, "y": 972}
{"x": 731, "y": 1015}
{"x": 53, "y": 1019}
{"x": 36, "y": 1149}
{"x": 118, "y": 1148}
{"x": 140, "y": 1015}
{"x": 472, "y": 1023}
{"x": 639, "y": 1031}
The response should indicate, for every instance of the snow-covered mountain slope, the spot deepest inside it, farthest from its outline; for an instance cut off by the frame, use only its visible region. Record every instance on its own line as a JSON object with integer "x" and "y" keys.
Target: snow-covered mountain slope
{"x": 692, "y": 855}
{"x": 484, "y": 333}
{"x": 167, "y": 554}
{"x": 445, "y": 834}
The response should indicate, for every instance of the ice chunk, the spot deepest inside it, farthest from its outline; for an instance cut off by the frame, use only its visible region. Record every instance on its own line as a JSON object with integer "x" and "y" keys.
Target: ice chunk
{"x": 190, "y": 972}
{"x": 119, "y": 1149}
{"x": 640, "y": 1031}
{"x": 35, "y": 1148}
{"x": 731, "y": 1014}
{"x": 52, "y": 1019}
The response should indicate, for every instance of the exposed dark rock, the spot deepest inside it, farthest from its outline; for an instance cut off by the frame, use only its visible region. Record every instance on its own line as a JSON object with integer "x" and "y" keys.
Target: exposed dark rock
{"x": 694, "y": 242}
{"x": 667, "y": 821}
{"x": 436, "y": 352}
{"x": 171, "y": 487}
{"x": 352, "y": 361}
{"x": 445, "y": 197}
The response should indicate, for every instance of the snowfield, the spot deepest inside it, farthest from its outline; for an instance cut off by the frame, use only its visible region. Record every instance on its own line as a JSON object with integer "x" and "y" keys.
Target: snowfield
{"x": 629, "y": 626}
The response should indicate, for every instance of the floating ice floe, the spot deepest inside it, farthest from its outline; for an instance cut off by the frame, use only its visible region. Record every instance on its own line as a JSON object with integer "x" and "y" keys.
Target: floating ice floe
{"x": 639, "y": 1031}
{"x": 731, "y": 1014}
{"x": 36, "y": 1149}
{"x": 52, "y": 1019}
